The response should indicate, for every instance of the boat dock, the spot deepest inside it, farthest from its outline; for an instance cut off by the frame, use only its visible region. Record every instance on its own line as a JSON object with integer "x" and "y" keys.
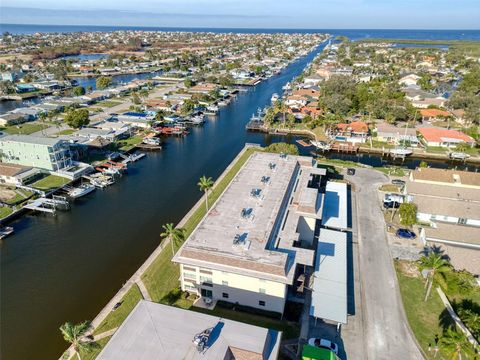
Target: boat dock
{"x": 47, "y": 205}
{"x": 149, "y": 146}
{"x": 344, "y": 147}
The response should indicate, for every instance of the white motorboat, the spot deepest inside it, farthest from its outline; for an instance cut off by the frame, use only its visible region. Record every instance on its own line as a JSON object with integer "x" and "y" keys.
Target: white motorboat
{"x": 5, "y": 231}
{"x": 287, "y": 86}
{"x": 321, "y": 145}
{"x": 81, "y": 190}
{"x": 401, "y": 151}
{"x": 274, "y": 98}
{"x": 458, "y": 156}
{"x": 151, "y": 141}
{"x": 212, "y": 108}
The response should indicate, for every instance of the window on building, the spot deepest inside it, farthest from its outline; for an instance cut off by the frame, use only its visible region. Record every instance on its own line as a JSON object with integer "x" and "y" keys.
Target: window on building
{"x": 224, "y": 283}
{"x": 187, "y": 275}
{"x": 188, "y": 268}
{"x": 205, "y": 279}
{"x": 225, "y": 295}
{"x": 261, "y": 303}
{"x": 262, "y": 291}
{"x": 207, "y": 272}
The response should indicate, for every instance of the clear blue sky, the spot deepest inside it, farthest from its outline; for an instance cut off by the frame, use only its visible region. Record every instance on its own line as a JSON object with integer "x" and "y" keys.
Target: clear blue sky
{"x": 391, "y": 14}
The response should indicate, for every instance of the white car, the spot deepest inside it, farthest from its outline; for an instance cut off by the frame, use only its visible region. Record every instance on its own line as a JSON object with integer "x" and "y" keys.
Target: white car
{"x": 324, "y": 343}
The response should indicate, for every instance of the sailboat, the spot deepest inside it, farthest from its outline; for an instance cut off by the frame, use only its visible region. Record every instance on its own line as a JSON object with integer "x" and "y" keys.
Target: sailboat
{"x": 402, "y": 150}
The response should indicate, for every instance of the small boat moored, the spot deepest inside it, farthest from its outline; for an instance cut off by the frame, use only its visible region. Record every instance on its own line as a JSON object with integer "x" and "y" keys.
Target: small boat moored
{"x": 5, "y": 231}
{"x": 81, "y": 190}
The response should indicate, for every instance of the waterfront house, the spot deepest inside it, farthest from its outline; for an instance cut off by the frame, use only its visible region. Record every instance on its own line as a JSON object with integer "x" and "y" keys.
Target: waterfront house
{"x": 392, "y": 134}
{"x": 444, "y": 137}
{"x": 256, "y": 242}
{"x": 155, "y": 331}
{"x": 12, "y": 118}
{"x": 355, "y": 132}
{"x": 296, "y": 101}
{"x": 203, "y": 88}
{"x": 13, "y": 174}
{"x": 313, "y": 79}
{"x": 35, "y": 151}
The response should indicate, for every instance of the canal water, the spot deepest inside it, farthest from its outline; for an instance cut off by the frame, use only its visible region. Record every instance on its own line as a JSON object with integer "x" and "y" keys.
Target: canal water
{"x": 66, "y": 268}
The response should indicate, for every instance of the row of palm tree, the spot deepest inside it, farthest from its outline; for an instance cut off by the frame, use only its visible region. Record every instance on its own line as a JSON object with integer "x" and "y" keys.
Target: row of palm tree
{"x": 75, "y": 333}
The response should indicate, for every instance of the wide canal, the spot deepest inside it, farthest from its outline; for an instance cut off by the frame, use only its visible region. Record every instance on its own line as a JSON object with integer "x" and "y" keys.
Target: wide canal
{"x": 66, "y": 268}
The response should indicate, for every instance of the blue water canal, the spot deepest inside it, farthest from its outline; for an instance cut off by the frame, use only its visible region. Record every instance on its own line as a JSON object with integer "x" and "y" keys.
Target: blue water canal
{"x": 66, "y": 268}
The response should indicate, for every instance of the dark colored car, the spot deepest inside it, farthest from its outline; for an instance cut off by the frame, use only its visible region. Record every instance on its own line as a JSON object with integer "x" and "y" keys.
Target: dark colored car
{"x": 398, "y": 182}
{"x": 391, "y": 204}
{"x": 351, "y": 171}
{"x": 406, "y": 234}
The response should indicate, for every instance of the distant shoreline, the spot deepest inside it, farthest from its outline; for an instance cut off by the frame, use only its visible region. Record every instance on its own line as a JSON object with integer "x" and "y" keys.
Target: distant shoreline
{"x": 418, "y": 34}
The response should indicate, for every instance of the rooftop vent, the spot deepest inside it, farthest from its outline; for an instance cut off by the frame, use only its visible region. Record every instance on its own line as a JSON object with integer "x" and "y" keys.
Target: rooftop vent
{"x": 200, "y": 340}
{"x": 283, "y": 155}
{"x": 266, "y": 179}
{"x": 256, "y": 193}
{"x": 247, "y": 213}
{"x": 240, "y": 239}
{"x": 272, "y": 166}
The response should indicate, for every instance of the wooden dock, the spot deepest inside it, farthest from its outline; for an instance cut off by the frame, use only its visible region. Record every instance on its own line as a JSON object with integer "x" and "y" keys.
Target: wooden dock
{"x": 345, "y": 147}
{"x": 149, "y": 147}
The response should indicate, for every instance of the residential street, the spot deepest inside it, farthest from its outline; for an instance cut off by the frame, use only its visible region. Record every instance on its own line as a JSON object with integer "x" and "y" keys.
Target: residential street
{"x": 386, "y": 332}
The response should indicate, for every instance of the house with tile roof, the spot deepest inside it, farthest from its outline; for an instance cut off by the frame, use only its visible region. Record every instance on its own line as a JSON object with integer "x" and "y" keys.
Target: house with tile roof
{"x": 448, "y": 138}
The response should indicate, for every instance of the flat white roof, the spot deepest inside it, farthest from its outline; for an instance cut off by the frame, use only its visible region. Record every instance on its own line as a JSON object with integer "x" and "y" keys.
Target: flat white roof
{"x": 335, "y": 206}
{"x": 329, "y": 295}
{"x": 154, "y": 331}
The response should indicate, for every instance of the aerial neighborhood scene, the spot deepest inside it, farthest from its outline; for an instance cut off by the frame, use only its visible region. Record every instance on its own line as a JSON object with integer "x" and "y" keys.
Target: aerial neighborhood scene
{"x": 239, "y": 180}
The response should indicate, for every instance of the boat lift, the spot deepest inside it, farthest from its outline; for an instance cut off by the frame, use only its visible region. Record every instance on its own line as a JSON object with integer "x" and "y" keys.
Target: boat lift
{"x": 47, "y": 205}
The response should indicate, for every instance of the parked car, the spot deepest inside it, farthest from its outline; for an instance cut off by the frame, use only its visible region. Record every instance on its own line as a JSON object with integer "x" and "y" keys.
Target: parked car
{"x": 406, "y": 234}
{"x": 350, "y": 171}
{"x": 391, "y": 204}
{"x": 398, "y": 182}
{"x": 324, "y": 343}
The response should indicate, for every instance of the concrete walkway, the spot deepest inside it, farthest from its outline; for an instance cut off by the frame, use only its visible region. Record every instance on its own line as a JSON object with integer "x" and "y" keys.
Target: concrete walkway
{"x": 105, "y": 334}
{"x": 143, "y": 290}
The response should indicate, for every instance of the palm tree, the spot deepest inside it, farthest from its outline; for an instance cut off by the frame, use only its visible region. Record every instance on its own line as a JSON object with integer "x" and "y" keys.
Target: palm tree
{"x": 454, "y": 344}
{"x": 205, "y": 185}
{"x": 175, "y": 235}
{"x": 435, "y": 263}
{"x": 74, "y": 334}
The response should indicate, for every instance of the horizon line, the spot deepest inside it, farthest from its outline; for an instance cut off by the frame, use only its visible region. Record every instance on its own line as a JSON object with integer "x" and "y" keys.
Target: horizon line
{"x": 239, "y": 28}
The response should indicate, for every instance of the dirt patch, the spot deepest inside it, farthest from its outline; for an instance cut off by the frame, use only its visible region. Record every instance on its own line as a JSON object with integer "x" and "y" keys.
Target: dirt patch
{"x": 409, "y": 268}
{"x": 7, "y": 194}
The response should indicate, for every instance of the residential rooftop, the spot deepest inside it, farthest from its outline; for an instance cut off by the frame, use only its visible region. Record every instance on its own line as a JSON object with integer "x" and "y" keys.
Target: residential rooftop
{"x": 154, "y": 331}
{"x": 30, "y": 139}
{"x": 251, "y": 229}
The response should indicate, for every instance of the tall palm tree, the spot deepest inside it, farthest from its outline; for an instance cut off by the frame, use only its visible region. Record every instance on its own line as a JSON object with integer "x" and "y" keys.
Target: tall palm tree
{"x": 436, "y": 265}
{"x": 175, "y": 235}
{"x": 454, "y": 344}
{"x": 205, "y": 184}
{"x": 74, "y": 334}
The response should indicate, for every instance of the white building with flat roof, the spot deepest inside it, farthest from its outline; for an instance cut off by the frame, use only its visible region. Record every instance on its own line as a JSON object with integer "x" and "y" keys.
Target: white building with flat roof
{"x": 154, "y": 331}
{"x": 259, "y": 235}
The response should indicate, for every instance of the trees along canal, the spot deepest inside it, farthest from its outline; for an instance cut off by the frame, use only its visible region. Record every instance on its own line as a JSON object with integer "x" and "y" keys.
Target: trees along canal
{"x": 175, "y": 235}
{"x": 205, "y": 184}
{"x": 75, "y": 335}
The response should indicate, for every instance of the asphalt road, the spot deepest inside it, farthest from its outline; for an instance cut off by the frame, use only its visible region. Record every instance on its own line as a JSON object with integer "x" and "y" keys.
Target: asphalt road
{"x": 386, "y": 333}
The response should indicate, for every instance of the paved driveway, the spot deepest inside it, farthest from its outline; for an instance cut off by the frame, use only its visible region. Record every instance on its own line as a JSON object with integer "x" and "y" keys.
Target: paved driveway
{"x": 385, "y": 327}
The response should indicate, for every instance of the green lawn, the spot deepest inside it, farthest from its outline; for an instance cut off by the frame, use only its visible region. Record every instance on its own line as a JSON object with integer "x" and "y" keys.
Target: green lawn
{"x": 24, "y": 129}
{"x": 378, "y": 144}
{"x": 50, "y": 182}
{"x": 162, "y": 276}
{"x": 5, "y": 211}
{"x": 108, "y": 103}
{"x": 423, "y": 317}
{"x": 116, "y": 318}
{"x": 389, "y": 188}
{"x": 66, "y": 132}
{"x": 93, "y": 353}
{"x": 130, "y": 143}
